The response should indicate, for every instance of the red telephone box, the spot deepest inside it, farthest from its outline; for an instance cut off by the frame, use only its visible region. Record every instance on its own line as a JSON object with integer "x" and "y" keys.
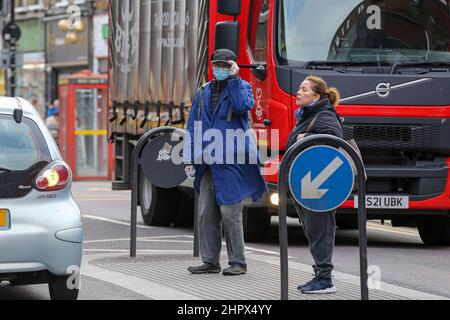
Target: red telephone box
{"x": 83, "y": 125}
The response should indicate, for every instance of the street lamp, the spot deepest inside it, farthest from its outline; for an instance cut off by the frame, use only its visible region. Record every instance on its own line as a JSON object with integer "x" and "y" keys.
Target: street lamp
{"x": 71, "y": 37}
{"x": 71, "y": 31}
{"x": 63, "y": 25}
{"x": 79, "y": 26}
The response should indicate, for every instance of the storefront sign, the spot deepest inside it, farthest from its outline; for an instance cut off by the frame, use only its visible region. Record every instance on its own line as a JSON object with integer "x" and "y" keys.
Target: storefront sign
{"x": 62, "y": 52}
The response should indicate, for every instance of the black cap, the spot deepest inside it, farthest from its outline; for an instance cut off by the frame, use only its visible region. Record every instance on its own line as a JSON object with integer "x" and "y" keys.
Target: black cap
{"x": 223, "y": 55}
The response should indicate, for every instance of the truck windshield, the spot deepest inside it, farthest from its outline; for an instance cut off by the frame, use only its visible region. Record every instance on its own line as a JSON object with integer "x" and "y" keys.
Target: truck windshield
{"x": 370, "y": 31}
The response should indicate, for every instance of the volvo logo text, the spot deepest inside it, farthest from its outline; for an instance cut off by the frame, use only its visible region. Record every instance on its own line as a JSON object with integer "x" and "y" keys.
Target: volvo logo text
{"x": 383, "y": 89}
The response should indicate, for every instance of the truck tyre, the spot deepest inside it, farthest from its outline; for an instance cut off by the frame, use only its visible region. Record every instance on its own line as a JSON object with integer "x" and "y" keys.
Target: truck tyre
{"x": 434, "y": 230}
{"x": 58, "y": 289}
{"x": 158, "y": 205}
{"x": 347, "y": 222}
{"x": 256, "y": 223}
{"x": 185, "y": 213}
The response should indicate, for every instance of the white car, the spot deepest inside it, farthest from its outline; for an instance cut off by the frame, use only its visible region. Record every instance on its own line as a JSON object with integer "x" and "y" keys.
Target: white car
{"x": 41, "y": 231}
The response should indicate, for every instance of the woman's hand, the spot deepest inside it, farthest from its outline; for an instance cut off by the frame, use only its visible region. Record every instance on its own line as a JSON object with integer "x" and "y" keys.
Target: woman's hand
{"x": 300, "y": 136}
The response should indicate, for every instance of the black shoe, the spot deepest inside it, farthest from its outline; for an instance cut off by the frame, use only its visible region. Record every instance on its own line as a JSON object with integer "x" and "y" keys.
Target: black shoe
{"x": 319, "y": 286}
{"x": 205, "y": 268}
{"x": 234, "y": 270}
{"x": 301, "y": 286}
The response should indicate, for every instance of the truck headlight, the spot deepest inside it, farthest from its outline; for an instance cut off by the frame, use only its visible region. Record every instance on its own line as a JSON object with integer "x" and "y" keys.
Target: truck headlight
{"x": 274, "y": 199}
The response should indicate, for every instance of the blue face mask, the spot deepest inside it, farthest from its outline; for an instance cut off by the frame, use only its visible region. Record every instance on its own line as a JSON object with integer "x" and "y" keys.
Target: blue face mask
{"x": 221, "y": 73}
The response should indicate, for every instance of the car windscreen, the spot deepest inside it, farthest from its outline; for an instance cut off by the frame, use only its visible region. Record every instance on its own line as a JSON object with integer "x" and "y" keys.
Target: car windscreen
{"x": 23, "y": 154}
{"x": 394, "y": 31}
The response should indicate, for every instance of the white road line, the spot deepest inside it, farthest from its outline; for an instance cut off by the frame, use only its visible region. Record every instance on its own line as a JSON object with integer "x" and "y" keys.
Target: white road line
{"x": 100, "y": 199}
{"x": 275, "y": 253}
{"x": 88, "y": 216}
{"x": 138, "y": 239}
{"x": 161, "y": 239}
{"x": 369, "y": 226}
{"x": 398, "y": 232}
{"x": 144, "y": 240}
{"x": 106, "y": 189}
{"x": 141, "y": 250}
{"x": 394, "y": 229}
{"x": 105, "y": 240}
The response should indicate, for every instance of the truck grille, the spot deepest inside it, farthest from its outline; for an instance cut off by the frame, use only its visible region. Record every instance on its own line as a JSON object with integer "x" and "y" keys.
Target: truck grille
{"x": 387, "y": 160}
{"x": 394, "y": 137}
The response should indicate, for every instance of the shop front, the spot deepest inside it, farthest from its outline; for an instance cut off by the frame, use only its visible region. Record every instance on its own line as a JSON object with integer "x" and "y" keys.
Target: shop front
{"x": 31, "y": 76}
{"x": 67, "y": 50}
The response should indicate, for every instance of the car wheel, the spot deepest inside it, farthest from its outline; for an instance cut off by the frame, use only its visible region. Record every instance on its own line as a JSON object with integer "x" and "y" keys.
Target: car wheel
{"x": 434, "y": 230}
{"x": 59, "y": 290}
{"x": 158, "y": 205}
{"x": 256, "y": 223}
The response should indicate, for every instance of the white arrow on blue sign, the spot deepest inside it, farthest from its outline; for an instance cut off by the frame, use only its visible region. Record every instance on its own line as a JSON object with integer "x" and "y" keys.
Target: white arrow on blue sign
{"x": 321, "y": 178}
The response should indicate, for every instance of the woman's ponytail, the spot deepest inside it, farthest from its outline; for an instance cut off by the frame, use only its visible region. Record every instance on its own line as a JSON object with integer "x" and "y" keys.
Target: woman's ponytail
{"x": 334, "y": 96}
{"x": 320, "y": 87}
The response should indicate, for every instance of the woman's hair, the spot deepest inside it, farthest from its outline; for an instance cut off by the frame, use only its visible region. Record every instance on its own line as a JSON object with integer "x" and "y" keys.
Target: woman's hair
{"x": 321, "y": 88}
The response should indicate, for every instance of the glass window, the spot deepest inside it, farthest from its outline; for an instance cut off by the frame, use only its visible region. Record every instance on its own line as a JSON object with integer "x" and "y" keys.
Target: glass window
{"x": 102, "y": 65}
{"x": 367, "y": 31}
{"x": 21, "y": 144}
{"x": 258, "y": 29}
{"x": 91, "y": 139}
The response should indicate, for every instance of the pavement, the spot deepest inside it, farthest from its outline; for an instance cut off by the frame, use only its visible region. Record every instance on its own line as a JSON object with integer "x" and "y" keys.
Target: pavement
{"x": 160, "y": 269}
{"x": 163, "y": 275}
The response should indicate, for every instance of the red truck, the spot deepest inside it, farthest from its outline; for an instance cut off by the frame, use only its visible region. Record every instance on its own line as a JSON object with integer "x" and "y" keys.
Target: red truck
{"x": 389, "y": 59}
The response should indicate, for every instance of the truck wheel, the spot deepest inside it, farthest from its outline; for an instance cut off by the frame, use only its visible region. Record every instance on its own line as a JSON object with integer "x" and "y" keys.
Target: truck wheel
{"x": 256, "y": 223}
{"x": 58, "y": 289}
{"x": 347, "y": 222}
{"x": 434, "y": 230}
{"x": 158, "y": 205}
{"x": 185, "y": 213}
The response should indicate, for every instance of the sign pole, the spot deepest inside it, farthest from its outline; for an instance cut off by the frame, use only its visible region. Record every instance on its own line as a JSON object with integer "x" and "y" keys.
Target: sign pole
{"x": 196, "y": 252}
{"x": 13, "y": 71}
{"x": 11, "y": 34}
{"x": 282, "y": 225}
{"x": 317, "y": 193}
{"x": 362, "y": 218}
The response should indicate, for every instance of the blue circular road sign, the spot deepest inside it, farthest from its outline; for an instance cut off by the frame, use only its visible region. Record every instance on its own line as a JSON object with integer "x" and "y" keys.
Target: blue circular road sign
{"x": 321, "y": 178}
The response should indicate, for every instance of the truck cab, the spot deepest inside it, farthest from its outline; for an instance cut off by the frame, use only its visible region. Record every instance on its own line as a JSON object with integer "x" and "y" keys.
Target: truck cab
{"x": 390, "y": 60}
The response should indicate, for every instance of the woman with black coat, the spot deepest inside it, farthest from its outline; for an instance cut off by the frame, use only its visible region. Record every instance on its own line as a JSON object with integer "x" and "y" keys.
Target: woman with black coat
{"x": 317, "y": 115}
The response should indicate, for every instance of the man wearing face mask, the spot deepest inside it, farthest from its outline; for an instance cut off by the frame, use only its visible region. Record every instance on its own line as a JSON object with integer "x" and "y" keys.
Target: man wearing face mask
{"x": 222, "y": 106}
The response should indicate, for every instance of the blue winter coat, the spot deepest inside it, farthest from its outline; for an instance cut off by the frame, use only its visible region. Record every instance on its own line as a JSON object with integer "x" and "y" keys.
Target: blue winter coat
{"x": 233, "y": 182}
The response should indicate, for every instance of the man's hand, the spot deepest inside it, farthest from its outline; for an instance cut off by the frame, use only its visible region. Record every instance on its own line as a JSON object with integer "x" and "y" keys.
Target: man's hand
{"x": 190, "y": 171}
{"x": 300, "y": 136}
{"x": 234, "y": 69}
